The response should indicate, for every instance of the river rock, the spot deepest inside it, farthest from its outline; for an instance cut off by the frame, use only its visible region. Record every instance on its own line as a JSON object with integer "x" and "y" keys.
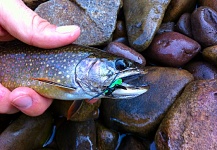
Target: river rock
{"x": 27, "y": 133}
{"x": 120, "y": 30}
{"x": 177, "y": 7}
{"x": 172, "y": 49}
{"x": 204, "y": 29}
{"x": 210, "y": 54}
{"x": 33, "y": 3}
{"x": 166, "y": 27}
{"x": 122, "y": 50}
{"x": 143, "y": 19}
{"x": 191, "y": 121}
{"x": 76, "y": 135}
{"x": 107, "y": 139}
{"x": 202, "y": 70}
{"x": 210, "y": 3}
{"x": 143, "y": 114}
{"x": 97, "y": 19}
{"x": 184, "y": 25}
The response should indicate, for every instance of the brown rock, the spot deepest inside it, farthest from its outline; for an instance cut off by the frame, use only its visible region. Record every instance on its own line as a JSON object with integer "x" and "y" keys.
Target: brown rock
{"x": 143, "y": 19}
{"x": 204, "y": 29}
{"x": 120, "y": 30}
{"x": 202, "y": 70}
{"x": 143, "y": 114}
{"x": 177, "y": 7}
{"x": 172, "y": 49}
{"x": 33, "y": 3}
{"x": 184, "y": 25}
{"x": 122, "y": 50}
{"x": 191, "y": 121}
{"x": 210, "y": 3}
{"x": 166, "y": 27}
{"x": 97, "y": 19}
{"x": 210, "y": 54}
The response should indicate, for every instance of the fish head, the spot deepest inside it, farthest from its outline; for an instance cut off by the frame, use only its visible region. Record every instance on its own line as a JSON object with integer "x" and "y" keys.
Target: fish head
{"x": 95, "y": 75}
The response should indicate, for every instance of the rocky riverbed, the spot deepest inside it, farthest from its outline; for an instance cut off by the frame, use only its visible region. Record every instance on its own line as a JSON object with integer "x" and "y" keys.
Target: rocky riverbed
{"x": 174, "y": 41}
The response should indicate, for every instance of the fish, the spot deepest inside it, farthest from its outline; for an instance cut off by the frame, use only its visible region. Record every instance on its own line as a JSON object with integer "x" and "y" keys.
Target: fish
{"x": 71, "y": 72}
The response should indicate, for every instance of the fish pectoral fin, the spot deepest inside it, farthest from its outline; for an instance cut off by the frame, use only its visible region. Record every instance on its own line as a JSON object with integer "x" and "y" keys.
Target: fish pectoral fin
{"x": 74, "y": 108}
{"x": 44, "y": 80}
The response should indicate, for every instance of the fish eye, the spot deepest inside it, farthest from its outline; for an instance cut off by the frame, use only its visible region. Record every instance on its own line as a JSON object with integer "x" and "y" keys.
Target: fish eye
{"x": 121, "y": 64}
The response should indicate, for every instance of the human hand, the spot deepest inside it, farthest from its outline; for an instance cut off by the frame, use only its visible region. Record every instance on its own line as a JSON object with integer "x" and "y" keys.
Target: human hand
{"x": 18, "y": 21}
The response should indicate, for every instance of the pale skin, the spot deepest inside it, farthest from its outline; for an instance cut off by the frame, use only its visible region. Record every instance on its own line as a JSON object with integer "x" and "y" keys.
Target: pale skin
{"x": 17, "y": 21}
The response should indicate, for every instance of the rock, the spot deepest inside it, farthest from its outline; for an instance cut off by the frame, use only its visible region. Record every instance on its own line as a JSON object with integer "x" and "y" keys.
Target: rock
{"x": 120, "y": 30}
{"x": 97, "y": 19}
{"x": 27, "y": 133}
{"x": 166, "y": 27}
{"x": 122, "y": 40}
{"x": 143, "y": 114}
{"x": 122, "y": 50}
{"x": 210, "y": 3}
{"x": 184, "y": 25}
{"x": 191, "y": 121}
{"x": 143, "y": 19}
{"x": 172, "y": 49}
{"x": 177, "y": 7}
{"x": 210, "y": 54}
{"x": 106, "y": 139}
{"x": 33, "y": 3}
{"x": 130, "y": 142}
{"x": 76, "y": 135}
{"x": 204, "y": 29}
{"x": 5, "y": 120}
{"x": 201, "y": 70}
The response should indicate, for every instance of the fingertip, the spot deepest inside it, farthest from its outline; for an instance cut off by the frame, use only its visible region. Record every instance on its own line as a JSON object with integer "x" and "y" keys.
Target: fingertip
{"x": 28, "y": 101}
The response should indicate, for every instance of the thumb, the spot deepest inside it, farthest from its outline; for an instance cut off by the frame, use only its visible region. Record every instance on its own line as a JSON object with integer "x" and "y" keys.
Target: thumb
{"x": 24, "y": 24}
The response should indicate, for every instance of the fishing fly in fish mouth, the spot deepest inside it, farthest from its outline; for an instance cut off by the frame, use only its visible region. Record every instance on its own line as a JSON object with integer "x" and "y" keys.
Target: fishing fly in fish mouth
{"x": 72, "y": 72}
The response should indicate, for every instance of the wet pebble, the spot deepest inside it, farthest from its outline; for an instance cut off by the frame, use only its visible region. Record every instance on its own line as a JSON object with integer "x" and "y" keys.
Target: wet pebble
{"x": 142, "y": 115}
{"x": 177, "y": 7}
{"x": 191, "y": 121}
{"x": 201, "y": 70}
{"x": 76, "y": 135}
{"x": 184, "y": 25}
{"x": 97, "y": 19}
{"x": 143, "y": 21}
{"x": 210, "y": 54}
{"x": 210, "y": 3}
{"x": 166, "y": 27}
{"x": 120, "y": 30}
{"x": 172, "y": 49}
{"x": 27, "y": 132}
{"x": 122, "y": 50}
{"x": 204, "y": 29}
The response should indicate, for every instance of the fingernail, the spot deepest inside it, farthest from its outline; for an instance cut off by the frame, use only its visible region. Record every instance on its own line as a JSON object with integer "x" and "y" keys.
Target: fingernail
{"x": 67, "y": 29}
{"x": 22, "y": 101}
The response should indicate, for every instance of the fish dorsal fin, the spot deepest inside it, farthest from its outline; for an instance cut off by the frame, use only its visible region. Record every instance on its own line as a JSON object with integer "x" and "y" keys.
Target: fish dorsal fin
{"x": 44, "y": 80}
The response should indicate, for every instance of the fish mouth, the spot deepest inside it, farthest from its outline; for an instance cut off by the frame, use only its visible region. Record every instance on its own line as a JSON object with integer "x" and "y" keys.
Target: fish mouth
{"x": 129, "y": 87}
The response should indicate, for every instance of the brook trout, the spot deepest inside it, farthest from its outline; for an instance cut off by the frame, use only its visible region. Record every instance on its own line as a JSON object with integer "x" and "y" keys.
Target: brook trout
{"x": 72, "y": 72}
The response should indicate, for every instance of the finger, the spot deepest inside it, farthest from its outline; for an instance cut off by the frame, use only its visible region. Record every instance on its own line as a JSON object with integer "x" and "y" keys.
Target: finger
{"x": 24, "y": 24}
{"x": 5, "y": 105}
{"x": 28, "y": 101}
{"x": 4, "y": 35}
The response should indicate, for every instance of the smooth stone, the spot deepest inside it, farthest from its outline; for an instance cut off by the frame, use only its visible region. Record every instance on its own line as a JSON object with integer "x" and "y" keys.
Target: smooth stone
{"x": 76, "y": 135}
{"x": 33, "y": 3}
{"x": 107, "y": 139}
{"x": 210, "y": 54}
{"x": 143, "y": 19}
{"x": 122, "y": 40}
{"x": 191, "y": 121}
{"x": 172, "y": 49}
{"x": 97, "y": 19}
{"x": 166, "y": 27}
{"x": 5, "y": 120}
{"x": 209, "y": 3}
{"x": 142, "y": 115}
{"x": 120, "y": 30}
{"x": 203, "y": 22}
{"x": 27, "y": 132}
{"x": 122, "y": 50}
{"x": 201, "y": 70}
{"x": 184, "y": 25}
{"x": 130, "y": 142}
{"x": 177, "y": 7}
{"x": 83, "y": 112}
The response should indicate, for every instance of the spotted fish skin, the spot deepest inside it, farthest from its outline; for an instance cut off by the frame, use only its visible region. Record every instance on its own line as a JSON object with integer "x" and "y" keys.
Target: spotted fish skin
{"x": 71, "y": 72}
